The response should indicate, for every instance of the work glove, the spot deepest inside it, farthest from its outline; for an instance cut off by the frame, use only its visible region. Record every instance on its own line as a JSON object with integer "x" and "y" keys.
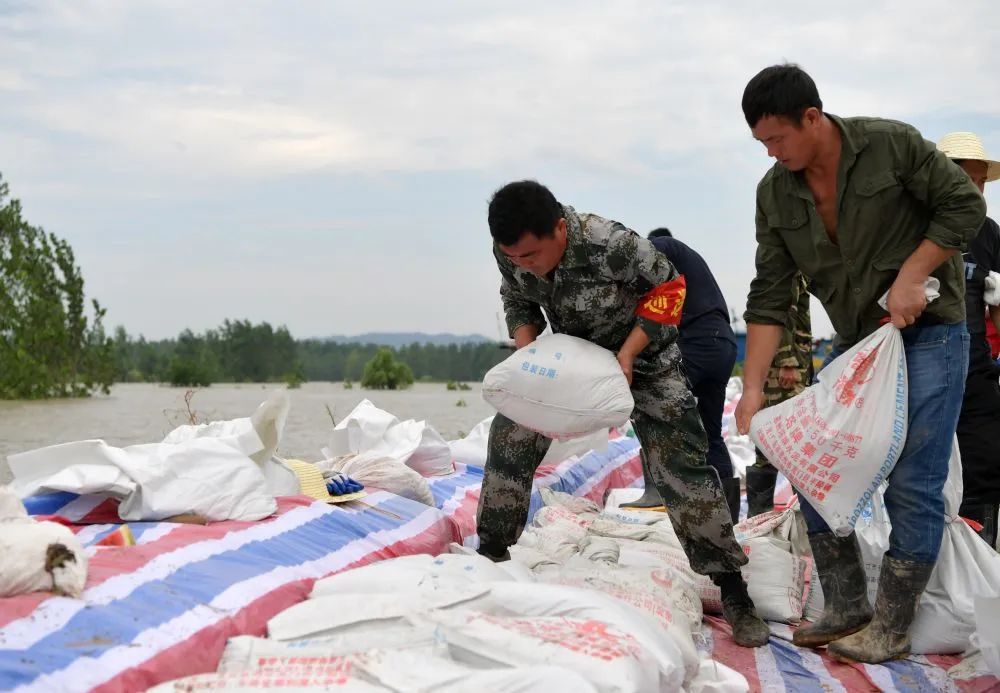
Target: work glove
{"x": 341, "y": 485}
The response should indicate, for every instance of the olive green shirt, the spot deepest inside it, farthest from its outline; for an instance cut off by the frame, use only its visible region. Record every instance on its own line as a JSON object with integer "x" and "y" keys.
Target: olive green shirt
{"x": 894, "y": 189}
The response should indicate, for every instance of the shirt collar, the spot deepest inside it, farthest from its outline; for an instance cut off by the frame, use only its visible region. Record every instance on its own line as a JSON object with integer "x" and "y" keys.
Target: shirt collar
{"x": 576, "y": 254}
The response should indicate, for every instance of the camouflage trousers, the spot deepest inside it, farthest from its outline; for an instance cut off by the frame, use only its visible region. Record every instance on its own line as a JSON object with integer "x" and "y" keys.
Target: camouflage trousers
{"x": 668, "y": 427}
{"x": 775, "y": 394}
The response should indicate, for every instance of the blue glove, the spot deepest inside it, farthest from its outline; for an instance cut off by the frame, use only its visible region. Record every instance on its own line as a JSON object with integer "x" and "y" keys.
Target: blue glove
{"x": 341, "y": 485}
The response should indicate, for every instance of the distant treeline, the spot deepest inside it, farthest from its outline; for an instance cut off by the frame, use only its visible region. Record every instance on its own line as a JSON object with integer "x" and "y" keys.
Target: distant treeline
{"x": 240, "y": 351}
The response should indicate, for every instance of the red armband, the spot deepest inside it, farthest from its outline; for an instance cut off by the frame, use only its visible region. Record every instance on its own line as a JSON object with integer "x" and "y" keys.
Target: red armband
{"x": 664, "y": 303}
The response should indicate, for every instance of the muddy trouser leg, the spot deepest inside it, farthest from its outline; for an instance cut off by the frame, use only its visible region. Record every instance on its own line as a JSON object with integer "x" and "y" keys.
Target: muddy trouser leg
{"x": 670, "y": 431}
{"x": 513, "y": 455}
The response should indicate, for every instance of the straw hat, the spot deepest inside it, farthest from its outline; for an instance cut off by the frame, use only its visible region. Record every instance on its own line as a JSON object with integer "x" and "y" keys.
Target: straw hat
{"x": 313, "y": 484}
{"x": 967, "y": 146}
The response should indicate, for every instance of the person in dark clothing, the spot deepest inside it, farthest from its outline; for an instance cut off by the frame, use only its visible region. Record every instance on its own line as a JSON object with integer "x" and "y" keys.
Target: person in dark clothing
{"x": 980, "y": 418}
{"x": 708, "y": 350}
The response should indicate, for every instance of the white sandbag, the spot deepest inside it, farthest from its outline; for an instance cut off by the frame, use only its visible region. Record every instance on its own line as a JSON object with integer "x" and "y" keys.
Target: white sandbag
{"x": 775, "y": 579}
{"x": 37, "y": 556}
{"x": 307, "y": 674}
{"x": 385, "y": 473}
{"x": 348, "y": 614}
{"x": 418, "y": 572}
{"x": 839, "y": 440}
{"x": 574, "y": 504}
{"x": 515, "y": 570}
{"x": 245, "y": 652}
{"x": 399, "y": 663}
{"x": 560, "y": 386}
{"x": 612, "y": 660}
{"x": 966, "y": 568}
{"x": 203, "y": 476}
{"x": 676, "y": 655}
{"x": 373, "y": 433}
{"x": 664, "y": 593}
{"x": 946, "y": 616}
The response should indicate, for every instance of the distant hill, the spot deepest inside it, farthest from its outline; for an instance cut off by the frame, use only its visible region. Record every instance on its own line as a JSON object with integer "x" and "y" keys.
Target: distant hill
{"x": 398, "y": 339}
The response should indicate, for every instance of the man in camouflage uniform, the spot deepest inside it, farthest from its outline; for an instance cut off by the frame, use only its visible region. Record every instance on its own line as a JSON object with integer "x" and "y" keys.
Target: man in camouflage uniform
{"x": 593, "y": 278}
{"x": 790, "y": 374}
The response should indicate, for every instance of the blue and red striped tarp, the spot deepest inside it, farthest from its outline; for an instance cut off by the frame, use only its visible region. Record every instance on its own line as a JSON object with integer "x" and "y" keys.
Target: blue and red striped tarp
{"x": 165, "y": 607}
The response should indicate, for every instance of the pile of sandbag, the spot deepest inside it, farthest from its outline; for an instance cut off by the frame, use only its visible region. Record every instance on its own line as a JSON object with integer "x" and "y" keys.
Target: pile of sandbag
{"x": 458, "y": 622}
{"x": 37, "y": 556}
{"x": 567, "y": 530}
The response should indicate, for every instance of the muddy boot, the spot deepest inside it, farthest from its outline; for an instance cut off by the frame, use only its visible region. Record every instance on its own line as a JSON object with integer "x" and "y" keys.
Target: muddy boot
{"x": 739, "y": 611}
{"x": 650, "y": 499}
{"x": 760, "y": 489}
{"x": 845, "y": 590}
{"x": 731, "y": 490}
{"x": 900, "y": 585}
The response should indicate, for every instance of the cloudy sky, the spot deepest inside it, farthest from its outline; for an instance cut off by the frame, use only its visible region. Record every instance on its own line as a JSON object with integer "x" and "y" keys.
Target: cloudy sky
{"x": 326, "y": 165}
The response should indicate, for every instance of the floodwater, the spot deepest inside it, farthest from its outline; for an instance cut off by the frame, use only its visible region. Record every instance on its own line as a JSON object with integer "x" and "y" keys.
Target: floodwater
{"x": 144, "y": 413}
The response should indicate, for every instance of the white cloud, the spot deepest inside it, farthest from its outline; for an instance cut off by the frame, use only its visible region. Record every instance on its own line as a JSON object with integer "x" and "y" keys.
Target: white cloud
{"x": 164, "y": 105}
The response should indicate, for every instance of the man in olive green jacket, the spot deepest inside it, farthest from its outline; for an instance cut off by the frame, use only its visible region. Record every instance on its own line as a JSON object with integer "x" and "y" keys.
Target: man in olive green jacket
{"x": 862, "y": 206}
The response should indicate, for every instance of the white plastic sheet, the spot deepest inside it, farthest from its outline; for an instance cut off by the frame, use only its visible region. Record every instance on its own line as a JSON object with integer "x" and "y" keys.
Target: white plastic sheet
{"x": 374, "y": 433}
{"x": 215, "y": 471}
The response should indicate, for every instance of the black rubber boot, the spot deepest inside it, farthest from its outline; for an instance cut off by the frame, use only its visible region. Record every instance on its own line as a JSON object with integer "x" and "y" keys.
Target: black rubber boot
{"x": 900, "y": 585}
{"x": 837, "y": 561}
{"x": 739, "y": 611}
{"x": 731, "y": 490}
{"x": 650, "y": 499}
{"x": 760, "y": 489}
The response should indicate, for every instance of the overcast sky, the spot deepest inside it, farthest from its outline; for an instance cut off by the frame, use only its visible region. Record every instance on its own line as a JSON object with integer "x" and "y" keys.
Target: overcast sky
{"x": 326, "y": 165}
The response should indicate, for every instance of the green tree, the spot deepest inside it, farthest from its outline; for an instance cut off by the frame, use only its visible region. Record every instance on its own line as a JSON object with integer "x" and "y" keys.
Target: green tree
{"x": 49, "y": 347}
{"x": 384, "y": 372}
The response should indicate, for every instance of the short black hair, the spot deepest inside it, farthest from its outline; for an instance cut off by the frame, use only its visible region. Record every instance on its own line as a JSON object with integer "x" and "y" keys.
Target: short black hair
{"x": 780, "y": 90}
{"x": 662, "y": 232}
{"x": 523, "y": 207}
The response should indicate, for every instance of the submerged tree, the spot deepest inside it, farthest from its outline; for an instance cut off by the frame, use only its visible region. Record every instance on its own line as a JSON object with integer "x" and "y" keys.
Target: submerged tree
{"x": 384, "y": 372}
{"x": 48, "y": 345}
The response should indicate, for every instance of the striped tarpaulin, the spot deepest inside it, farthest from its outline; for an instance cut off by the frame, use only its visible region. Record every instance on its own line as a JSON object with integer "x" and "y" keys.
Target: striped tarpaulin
{"x": 165, "y": 607}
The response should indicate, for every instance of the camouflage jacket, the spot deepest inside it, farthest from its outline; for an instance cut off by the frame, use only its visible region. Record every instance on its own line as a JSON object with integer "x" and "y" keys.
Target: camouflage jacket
{"x": 594, "y": 292}
{"x": 795, "y": 350}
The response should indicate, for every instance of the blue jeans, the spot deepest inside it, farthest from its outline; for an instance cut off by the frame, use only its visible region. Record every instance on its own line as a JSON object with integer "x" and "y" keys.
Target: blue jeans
{"x": 937, "y": 358}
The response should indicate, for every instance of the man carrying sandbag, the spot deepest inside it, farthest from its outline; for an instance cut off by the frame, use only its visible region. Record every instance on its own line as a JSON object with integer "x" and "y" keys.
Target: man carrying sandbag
{"x": 862, "y": 206}
{"x": 599, "y": 281}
